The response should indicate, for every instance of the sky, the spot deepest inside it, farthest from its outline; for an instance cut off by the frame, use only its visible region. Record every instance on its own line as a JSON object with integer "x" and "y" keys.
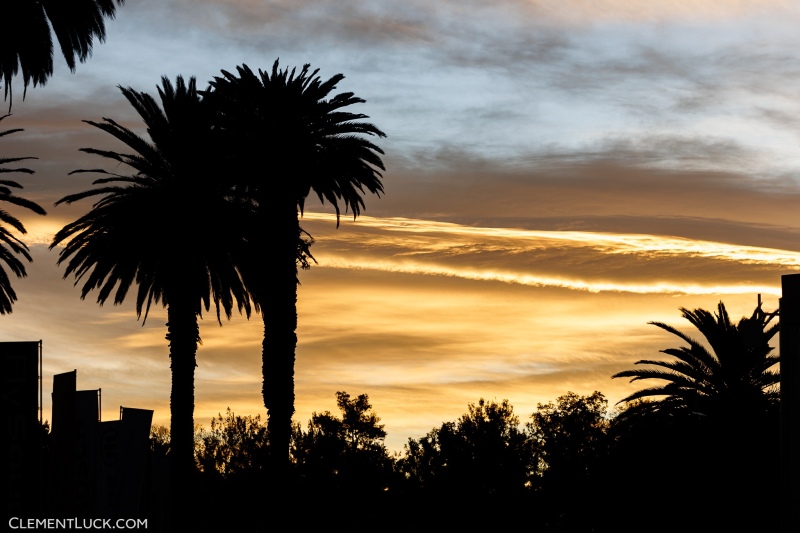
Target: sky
{"x": 558, "y": 174}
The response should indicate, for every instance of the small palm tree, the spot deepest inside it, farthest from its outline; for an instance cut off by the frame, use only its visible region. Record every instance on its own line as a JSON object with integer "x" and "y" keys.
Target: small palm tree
{"x": 10, "y": 246}
{"x": 718, "y": 411}
{"x": 171, "y": 228}
{"x": 287, "y": 137}
{"x": 735, "y": 376}
{"x": 26, "y": 43}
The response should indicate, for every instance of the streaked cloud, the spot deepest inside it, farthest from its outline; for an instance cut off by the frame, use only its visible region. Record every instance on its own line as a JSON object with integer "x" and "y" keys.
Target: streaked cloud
{"x": 569, "y": 259}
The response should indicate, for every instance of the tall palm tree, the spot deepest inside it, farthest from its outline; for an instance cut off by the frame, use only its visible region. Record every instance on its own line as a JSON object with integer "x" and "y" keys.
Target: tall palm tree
{"x": 288, "y": 137}
{"x": 26, "y": 43}
{"x": 10, "y": 246}
{"x": 172, "y": 228}
{"x": 736, "y": 376}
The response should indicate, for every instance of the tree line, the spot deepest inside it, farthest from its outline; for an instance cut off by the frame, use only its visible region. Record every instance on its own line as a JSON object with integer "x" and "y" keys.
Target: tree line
{"x": 704, "y": 453}
{"x": 575, "y": 464}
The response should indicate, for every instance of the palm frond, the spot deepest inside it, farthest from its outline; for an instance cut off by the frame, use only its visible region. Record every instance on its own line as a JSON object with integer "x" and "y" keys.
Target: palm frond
{"x": 737, "y": 369}
{"x": 10, "y": 246}
{"x": 26, "y": 42}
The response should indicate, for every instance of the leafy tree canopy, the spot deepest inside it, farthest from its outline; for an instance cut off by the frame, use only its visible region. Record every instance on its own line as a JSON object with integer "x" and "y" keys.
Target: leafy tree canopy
{"x": 569, "y": 434}
{"x": 345, "y": 452}
{"x": 484, "y": 452}
{"x": 570, "y": 444}
{"x": 233, "y": 445}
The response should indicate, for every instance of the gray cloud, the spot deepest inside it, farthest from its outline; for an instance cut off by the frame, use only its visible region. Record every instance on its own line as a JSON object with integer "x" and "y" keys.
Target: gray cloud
{"x": 664, "y": 185}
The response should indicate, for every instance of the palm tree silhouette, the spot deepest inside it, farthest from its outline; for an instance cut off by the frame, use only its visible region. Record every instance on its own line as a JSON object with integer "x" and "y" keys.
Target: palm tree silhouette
{"x": 26, "y": 43}
{"x": 11, "y": 246}
{"x": 719, "y": 410}
{"x": 733, "y": 377}
{"x": 172, "y": 228}
{"x": 287, "y": 137}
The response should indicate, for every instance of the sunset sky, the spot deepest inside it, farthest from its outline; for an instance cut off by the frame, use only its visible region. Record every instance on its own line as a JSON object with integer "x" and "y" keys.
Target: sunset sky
{"x": 558, "y": 174}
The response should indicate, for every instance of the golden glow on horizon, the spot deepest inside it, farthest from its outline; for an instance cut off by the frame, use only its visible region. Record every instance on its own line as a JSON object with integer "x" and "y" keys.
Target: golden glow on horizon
{"x": 41, "y": 230}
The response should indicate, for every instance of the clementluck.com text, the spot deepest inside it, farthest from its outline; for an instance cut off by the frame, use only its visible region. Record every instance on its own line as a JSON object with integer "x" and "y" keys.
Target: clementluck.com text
{"x": 77, "y": 523}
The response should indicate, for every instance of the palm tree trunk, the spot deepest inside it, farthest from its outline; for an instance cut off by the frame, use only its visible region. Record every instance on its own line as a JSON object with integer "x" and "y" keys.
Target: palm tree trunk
{"x": 183, "y": 336}
{"x": 279, "y": 310}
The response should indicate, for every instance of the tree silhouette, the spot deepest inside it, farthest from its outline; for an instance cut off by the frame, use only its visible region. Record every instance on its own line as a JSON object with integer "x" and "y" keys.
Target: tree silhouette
{"x": 570, "y": 443}
{"x": 159, "y": 440}
{"x": 146, "y": 229}
{"x": 714, "y": 431}
{"x": 569, "y": 431}
{"x": 735, "y": 377}
{"x": 286, "y": 137}
{"x": 234, "y": 445}
{"x": 26, "y": 43}
{"x": 483, "y": 453}
{"x": 344, "y": 454}
{"x": 10, "y": 246}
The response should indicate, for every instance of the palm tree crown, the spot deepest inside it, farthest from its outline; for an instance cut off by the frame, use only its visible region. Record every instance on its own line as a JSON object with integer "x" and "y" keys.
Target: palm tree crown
{"x": 26, "y": 43}
{"x": 11, "y": 246}
{"x": 735, "y": 375}
{"x": 310, "y": 143}
{"x": 143, "y": 230}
